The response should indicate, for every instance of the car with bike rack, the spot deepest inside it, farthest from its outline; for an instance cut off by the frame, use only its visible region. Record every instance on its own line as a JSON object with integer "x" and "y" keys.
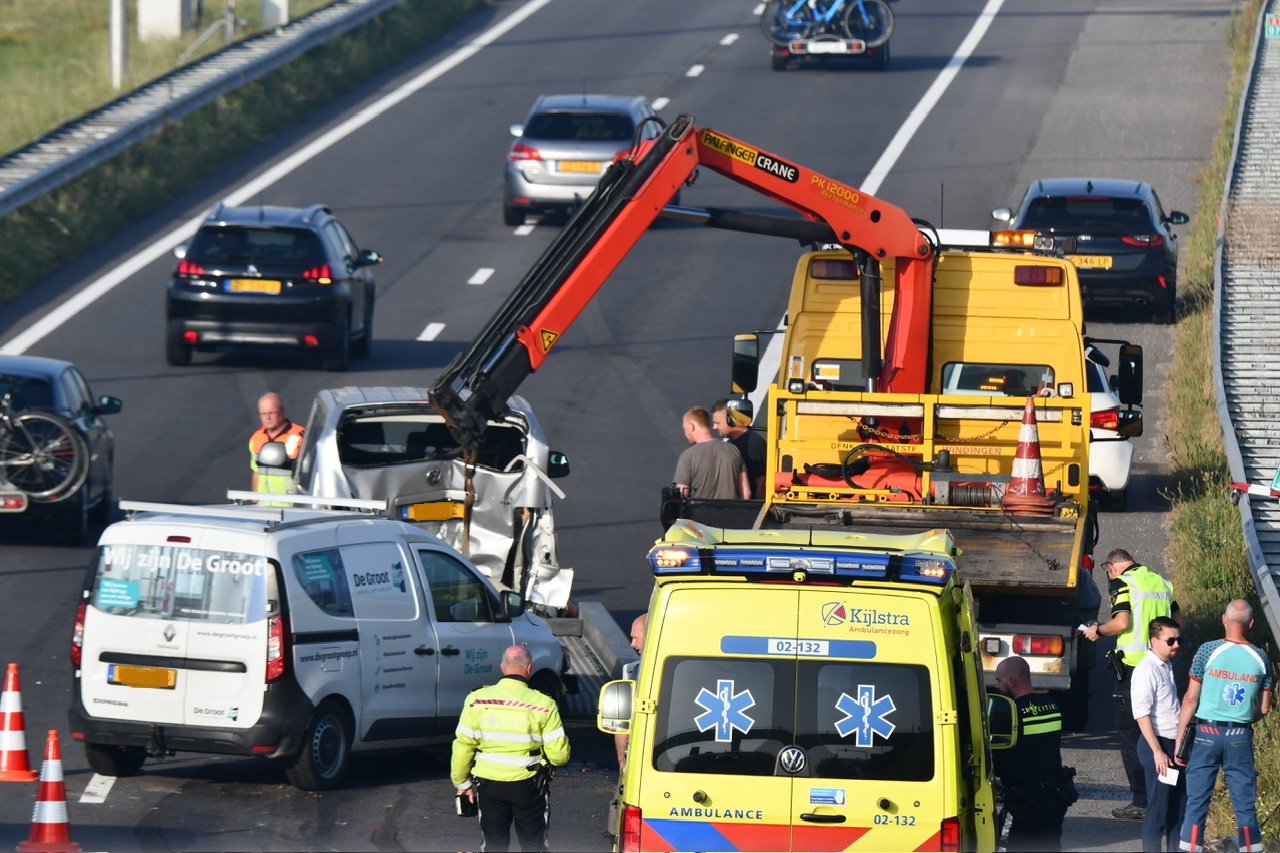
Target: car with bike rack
{"x": 801, "y": 30}
{"x": 56, "y": 452}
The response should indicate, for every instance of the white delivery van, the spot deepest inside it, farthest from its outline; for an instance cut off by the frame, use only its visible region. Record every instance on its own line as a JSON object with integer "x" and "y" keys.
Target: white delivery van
{"x": 286, "y": 632}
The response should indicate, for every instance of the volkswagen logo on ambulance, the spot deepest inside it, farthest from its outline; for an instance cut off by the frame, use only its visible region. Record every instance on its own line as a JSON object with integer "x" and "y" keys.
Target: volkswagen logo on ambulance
{"x": 792, "y": 760}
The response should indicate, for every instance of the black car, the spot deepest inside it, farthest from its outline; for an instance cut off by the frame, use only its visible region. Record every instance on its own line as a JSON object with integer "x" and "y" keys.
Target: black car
{"x": 271, "y": 278}
{"x": 1117, "y": 234}
{"x": 57, "y": 468}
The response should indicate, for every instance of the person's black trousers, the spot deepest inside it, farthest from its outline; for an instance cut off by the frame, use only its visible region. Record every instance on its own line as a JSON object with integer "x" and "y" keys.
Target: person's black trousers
{"x": 526, "y": 804}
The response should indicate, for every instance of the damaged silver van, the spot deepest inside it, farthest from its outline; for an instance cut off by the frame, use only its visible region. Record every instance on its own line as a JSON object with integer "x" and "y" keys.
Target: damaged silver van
{"x": 384, "y": 443}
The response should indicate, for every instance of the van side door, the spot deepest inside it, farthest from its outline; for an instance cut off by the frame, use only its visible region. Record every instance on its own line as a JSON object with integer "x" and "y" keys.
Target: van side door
{"x": 471, "y": 640}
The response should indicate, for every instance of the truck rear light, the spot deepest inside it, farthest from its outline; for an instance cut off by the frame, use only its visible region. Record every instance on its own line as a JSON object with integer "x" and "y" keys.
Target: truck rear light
{"x": 77, "y": 635}
{"x": 949, "y": 834}
{"x": 630, "y": 835}
{"x": 1035, "y": 275}
{"x": 1036, "y": 644}
{"x": 1105, "y": 419}
{"x": 524, "y": 152}
{"x": 277, "y": 648}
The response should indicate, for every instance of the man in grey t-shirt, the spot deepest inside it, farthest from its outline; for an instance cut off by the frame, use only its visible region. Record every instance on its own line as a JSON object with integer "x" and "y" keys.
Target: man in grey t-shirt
{"x": 709, "y": 468}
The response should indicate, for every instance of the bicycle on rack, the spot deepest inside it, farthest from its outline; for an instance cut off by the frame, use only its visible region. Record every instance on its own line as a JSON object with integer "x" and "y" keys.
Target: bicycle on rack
{"x": 786, "y": 21}
{"x": 41, "y": 454}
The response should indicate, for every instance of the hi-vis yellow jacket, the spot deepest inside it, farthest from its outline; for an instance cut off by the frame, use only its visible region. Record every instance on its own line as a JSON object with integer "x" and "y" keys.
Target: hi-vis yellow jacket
{"x": 506, "y": 730}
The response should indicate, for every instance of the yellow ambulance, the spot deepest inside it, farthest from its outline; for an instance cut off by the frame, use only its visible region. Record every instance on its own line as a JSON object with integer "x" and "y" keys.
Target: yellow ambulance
{"x": 804, "y": 690}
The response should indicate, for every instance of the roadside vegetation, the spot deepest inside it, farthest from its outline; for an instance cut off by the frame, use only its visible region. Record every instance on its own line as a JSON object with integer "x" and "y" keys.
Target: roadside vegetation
{"x": 1207, "y": 556}
{"x": 38, "y": 238}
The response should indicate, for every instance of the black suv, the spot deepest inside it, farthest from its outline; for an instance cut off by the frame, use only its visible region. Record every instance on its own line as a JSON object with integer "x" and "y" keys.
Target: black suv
{"x": 271, "y": 278}
{"x": 1116, "y": 233}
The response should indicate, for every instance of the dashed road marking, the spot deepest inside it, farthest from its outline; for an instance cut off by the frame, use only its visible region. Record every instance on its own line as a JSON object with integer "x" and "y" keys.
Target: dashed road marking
{"x": 695, "y": 71}
{"x": 524, "y": 230}
{"x": 431, "y": 332}
{"x": 481, "y": 276}
{"x": 97, "y": 789}
{"x": 729, "y": 39}
{"x": 659, "y": 103}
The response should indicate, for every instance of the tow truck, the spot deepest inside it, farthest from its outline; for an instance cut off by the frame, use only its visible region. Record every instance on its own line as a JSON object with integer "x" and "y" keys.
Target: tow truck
{"x": 894, "y": 420}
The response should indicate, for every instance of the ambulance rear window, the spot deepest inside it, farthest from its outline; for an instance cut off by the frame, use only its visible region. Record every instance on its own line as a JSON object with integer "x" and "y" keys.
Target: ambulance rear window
{"x": 169, "y": 582}
{"x": 852, "y": 719}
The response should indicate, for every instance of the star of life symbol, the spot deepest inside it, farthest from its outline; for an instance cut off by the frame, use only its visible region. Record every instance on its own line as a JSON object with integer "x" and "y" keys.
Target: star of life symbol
{"x": 1233, "y": 694}
{"x": 725, "y": 710}
{"x": 865, "y": 716}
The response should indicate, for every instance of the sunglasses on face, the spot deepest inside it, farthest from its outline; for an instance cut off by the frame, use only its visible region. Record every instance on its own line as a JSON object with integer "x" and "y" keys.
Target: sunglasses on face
{"x": 1172, "y": 641}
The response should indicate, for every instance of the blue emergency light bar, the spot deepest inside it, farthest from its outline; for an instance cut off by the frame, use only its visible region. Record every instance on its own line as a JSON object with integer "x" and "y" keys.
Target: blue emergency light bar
{"x": 817, "y": 565}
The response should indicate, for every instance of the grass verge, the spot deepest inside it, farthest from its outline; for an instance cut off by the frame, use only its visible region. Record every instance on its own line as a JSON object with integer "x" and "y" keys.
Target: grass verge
{"x": 36, "y": 239}
{"x": 1207, "y": 557}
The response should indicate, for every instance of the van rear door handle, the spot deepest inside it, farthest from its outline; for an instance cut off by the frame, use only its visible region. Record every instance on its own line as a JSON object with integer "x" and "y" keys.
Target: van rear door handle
{"x": 423, "y": 650}
{"x": 822, "y": 818}
{"x": 450, "y": 650}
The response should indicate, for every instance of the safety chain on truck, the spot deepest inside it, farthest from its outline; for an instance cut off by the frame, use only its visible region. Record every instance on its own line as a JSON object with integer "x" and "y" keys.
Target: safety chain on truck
{"x": 877, "y": 432}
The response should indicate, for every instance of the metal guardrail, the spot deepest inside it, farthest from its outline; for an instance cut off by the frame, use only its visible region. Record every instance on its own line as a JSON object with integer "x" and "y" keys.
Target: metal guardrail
{"x": 1246, "y": 321}
{"x": 95, "y": 137}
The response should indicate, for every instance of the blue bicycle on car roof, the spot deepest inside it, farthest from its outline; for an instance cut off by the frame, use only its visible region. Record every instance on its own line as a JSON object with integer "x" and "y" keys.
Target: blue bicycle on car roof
{"x": 827, "y": 27}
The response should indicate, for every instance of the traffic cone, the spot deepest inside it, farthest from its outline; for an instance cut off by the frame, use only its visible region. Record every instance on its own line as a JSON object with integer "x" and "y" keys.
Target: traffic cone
{"x": 15, "y": 766}
{"x": 50, "y": 832}
{"x": 1025, "y": 494}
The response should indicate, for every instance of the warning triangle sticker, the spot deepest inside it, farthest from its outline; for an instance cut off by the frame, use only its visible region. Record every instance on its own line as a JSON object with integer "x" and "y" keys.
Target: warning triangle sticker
{"x": 549, "y": 339}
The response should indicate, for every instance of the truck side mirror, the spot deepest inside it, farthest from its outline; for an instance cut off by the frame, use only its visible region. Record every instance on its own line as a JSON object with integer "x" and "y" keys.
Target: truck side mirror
{"x": 557, "y": 465}
{"x": 741, "y": 412}
{"x": 613, "y": 712}
{"x": 273, "y": 455}
{"x": 1130, "y": 390}
{"x": 746, "y": 363}
{"x": 1002, "y": 717}
{"x": 1130, "y": 423}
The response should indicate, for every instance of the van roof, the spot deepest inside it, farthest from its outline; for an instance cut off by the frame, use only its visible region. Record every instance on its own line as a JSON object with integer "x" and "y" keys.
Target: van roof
{"x": 250, "y": 518}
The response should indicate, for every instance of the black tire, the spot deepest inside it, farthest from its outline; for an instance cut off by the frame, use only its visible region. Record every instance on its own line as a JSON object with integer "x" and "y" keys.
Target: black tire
{"x": 176, "y": 354}
{"x": 1074, "y": 702}
{"x": 881, "y": 60}
{"x": 778, "y": 63}
{"x": 72, "y": 520}
{"x": 547, "y": 682}
{"x": 879, "y": 16}
{"x": 778, "y": 30}
{"x": 1118, "y": 500}
{"x": 340, "y": 356}
{"x": 321, "y": 762}
{"x": 362, "y": 345}
{"x": 43, "y": 455}
{"x": 512, "y": 216}
{"x": 1165, "y": 315}
{"x": 115, "y": 760}
{"x": 102, "y": 510}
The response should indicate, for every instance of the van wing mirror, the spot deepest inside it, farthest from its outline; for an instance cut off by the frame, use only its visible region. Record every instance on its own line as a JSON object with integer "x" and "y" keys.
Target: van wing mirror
{"x": 1130, "y": 385}
{"x": 557, "y": 465}
{"x": 512, "y": 603}
{"x": 1002, "y": 717}
{"x": 273, "y": 455}
{"x": 613, "y": 712}
{"x": 746, "y": 363}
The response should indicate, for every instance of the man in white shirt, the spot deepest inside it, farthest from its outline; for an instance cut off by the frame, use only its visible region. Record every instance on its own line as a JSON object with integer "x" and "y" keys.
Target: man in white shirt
{"x": 1155, "y": 708}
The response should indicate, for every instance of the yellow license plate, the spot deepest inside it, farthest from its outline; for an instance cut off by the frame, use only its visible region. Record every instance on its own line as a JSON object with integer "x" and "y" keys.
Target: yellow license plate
{"x": 143, "y": 676}
{"x": 253, "y": 285}
{"x": 579, "y": 166}
{"x": 1093, "y": 262}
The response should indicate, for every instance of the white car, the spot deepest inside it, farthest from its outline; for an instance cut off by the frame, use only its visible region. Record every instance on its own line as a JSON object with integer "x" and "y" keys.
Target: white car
{"x": 1111, "y": 427}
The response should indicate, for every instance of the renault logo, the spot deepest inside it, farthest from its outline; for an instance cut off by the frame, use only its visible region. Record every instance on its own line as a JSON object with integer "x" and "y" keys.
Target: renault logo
{"x": 169, "y": 633}
{"x": 792, "y": 760}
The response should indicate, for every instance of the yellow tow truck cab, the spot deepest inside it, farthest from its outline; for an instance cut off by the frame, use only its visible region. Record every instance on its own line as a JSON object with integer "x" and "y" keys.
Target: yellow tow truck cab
{"x": 804, "y": 690}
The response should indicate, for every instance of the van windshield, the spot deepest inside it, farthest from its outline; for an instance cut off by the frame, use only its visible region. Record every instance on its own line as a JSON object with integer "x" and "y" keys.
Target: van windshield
{"x": 853, "y": 719}
{"x": 170, "y": 582}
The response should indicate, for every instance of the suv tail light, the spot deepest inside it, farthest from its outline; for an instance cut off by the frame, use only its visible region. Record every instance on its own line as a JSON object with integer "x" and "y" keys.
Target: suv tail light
{"x": 1105, "y": 419}
{"x": 630, "y": 834}
{"x": 524, "y": 152}
{"x": 77, "y": 635}
{"x": 186, "y": 267}
{"x": 1146, "y": 241}
{"x": 1036, "y": 644}
{"x": 277, "y": 648}
{"x": 320, "y": 275}
{"x": 949, "y": 834}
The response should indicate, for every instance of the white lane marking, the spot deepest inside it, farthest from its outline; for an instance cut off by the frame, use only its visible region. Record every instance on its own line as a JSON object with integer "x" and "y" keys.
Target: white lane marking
{"x": 524, "y": 230}
{"x": 431, "y": 332}
{"x": 97, "y": 789}
{"x": 50, "y": 322}
{"x": 728, "y": 40}
{"x": 758, "y": 10}
{"x": 695, "y": 71}
{"x": 771, "y": 360}
{"x": 481, "y": 276}
{"x": 659, "y": 103}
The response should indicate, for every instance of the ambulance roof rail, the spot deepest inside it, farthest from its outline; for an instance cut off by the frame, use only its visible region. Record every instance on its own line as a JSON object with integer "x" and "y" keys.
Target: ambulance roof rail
{"x": 242, "y": 513}
{"x": 315, "y": 501}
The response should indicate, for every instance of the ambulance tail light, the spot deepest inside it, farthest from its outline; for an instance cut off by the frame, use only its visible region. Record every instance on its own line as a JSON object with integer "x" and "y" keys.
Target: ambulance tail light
{"x": 277, "y": 648}
{"x": 949, "y": 834}
{"x": 77, "y": 635}
{"x": 1036, "y": 644}
{"x": 629, "y": 837}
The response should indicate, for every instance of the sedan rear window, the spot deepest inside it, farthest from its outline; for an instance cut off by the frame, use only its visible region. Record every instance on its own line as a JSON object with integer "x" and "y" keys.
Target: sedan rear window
{"x": 580, "y": 127}
{"x": 1129, "y": 215}
{"x": 235, "y": 244}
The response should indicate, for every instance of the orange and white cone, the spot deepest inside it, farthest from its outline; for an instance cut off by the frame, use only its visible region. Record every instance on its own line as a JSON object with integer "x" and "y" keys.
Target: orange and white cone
{"x": 1028, "y": 475}
{"x": 50, "y": 831}
{"x": 15, "y": 766}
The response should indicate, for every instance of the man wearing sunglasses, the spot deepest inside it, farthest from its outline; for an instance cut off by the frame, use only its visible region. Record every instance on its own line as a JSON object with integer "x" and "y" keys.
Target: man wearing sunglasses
{"x": 1156, "y": 708}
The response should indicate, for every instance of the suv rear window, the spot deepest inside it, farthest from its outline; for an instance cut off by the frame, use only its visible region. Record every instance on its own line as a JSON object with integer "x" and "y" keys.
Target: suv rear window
{"x": 853, "y": 719}
{"x": 582, "y": 127}
{"x": 168, "y": 582}
{"x": 1129, "y": 215}
{"x": 234, "y": 243}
